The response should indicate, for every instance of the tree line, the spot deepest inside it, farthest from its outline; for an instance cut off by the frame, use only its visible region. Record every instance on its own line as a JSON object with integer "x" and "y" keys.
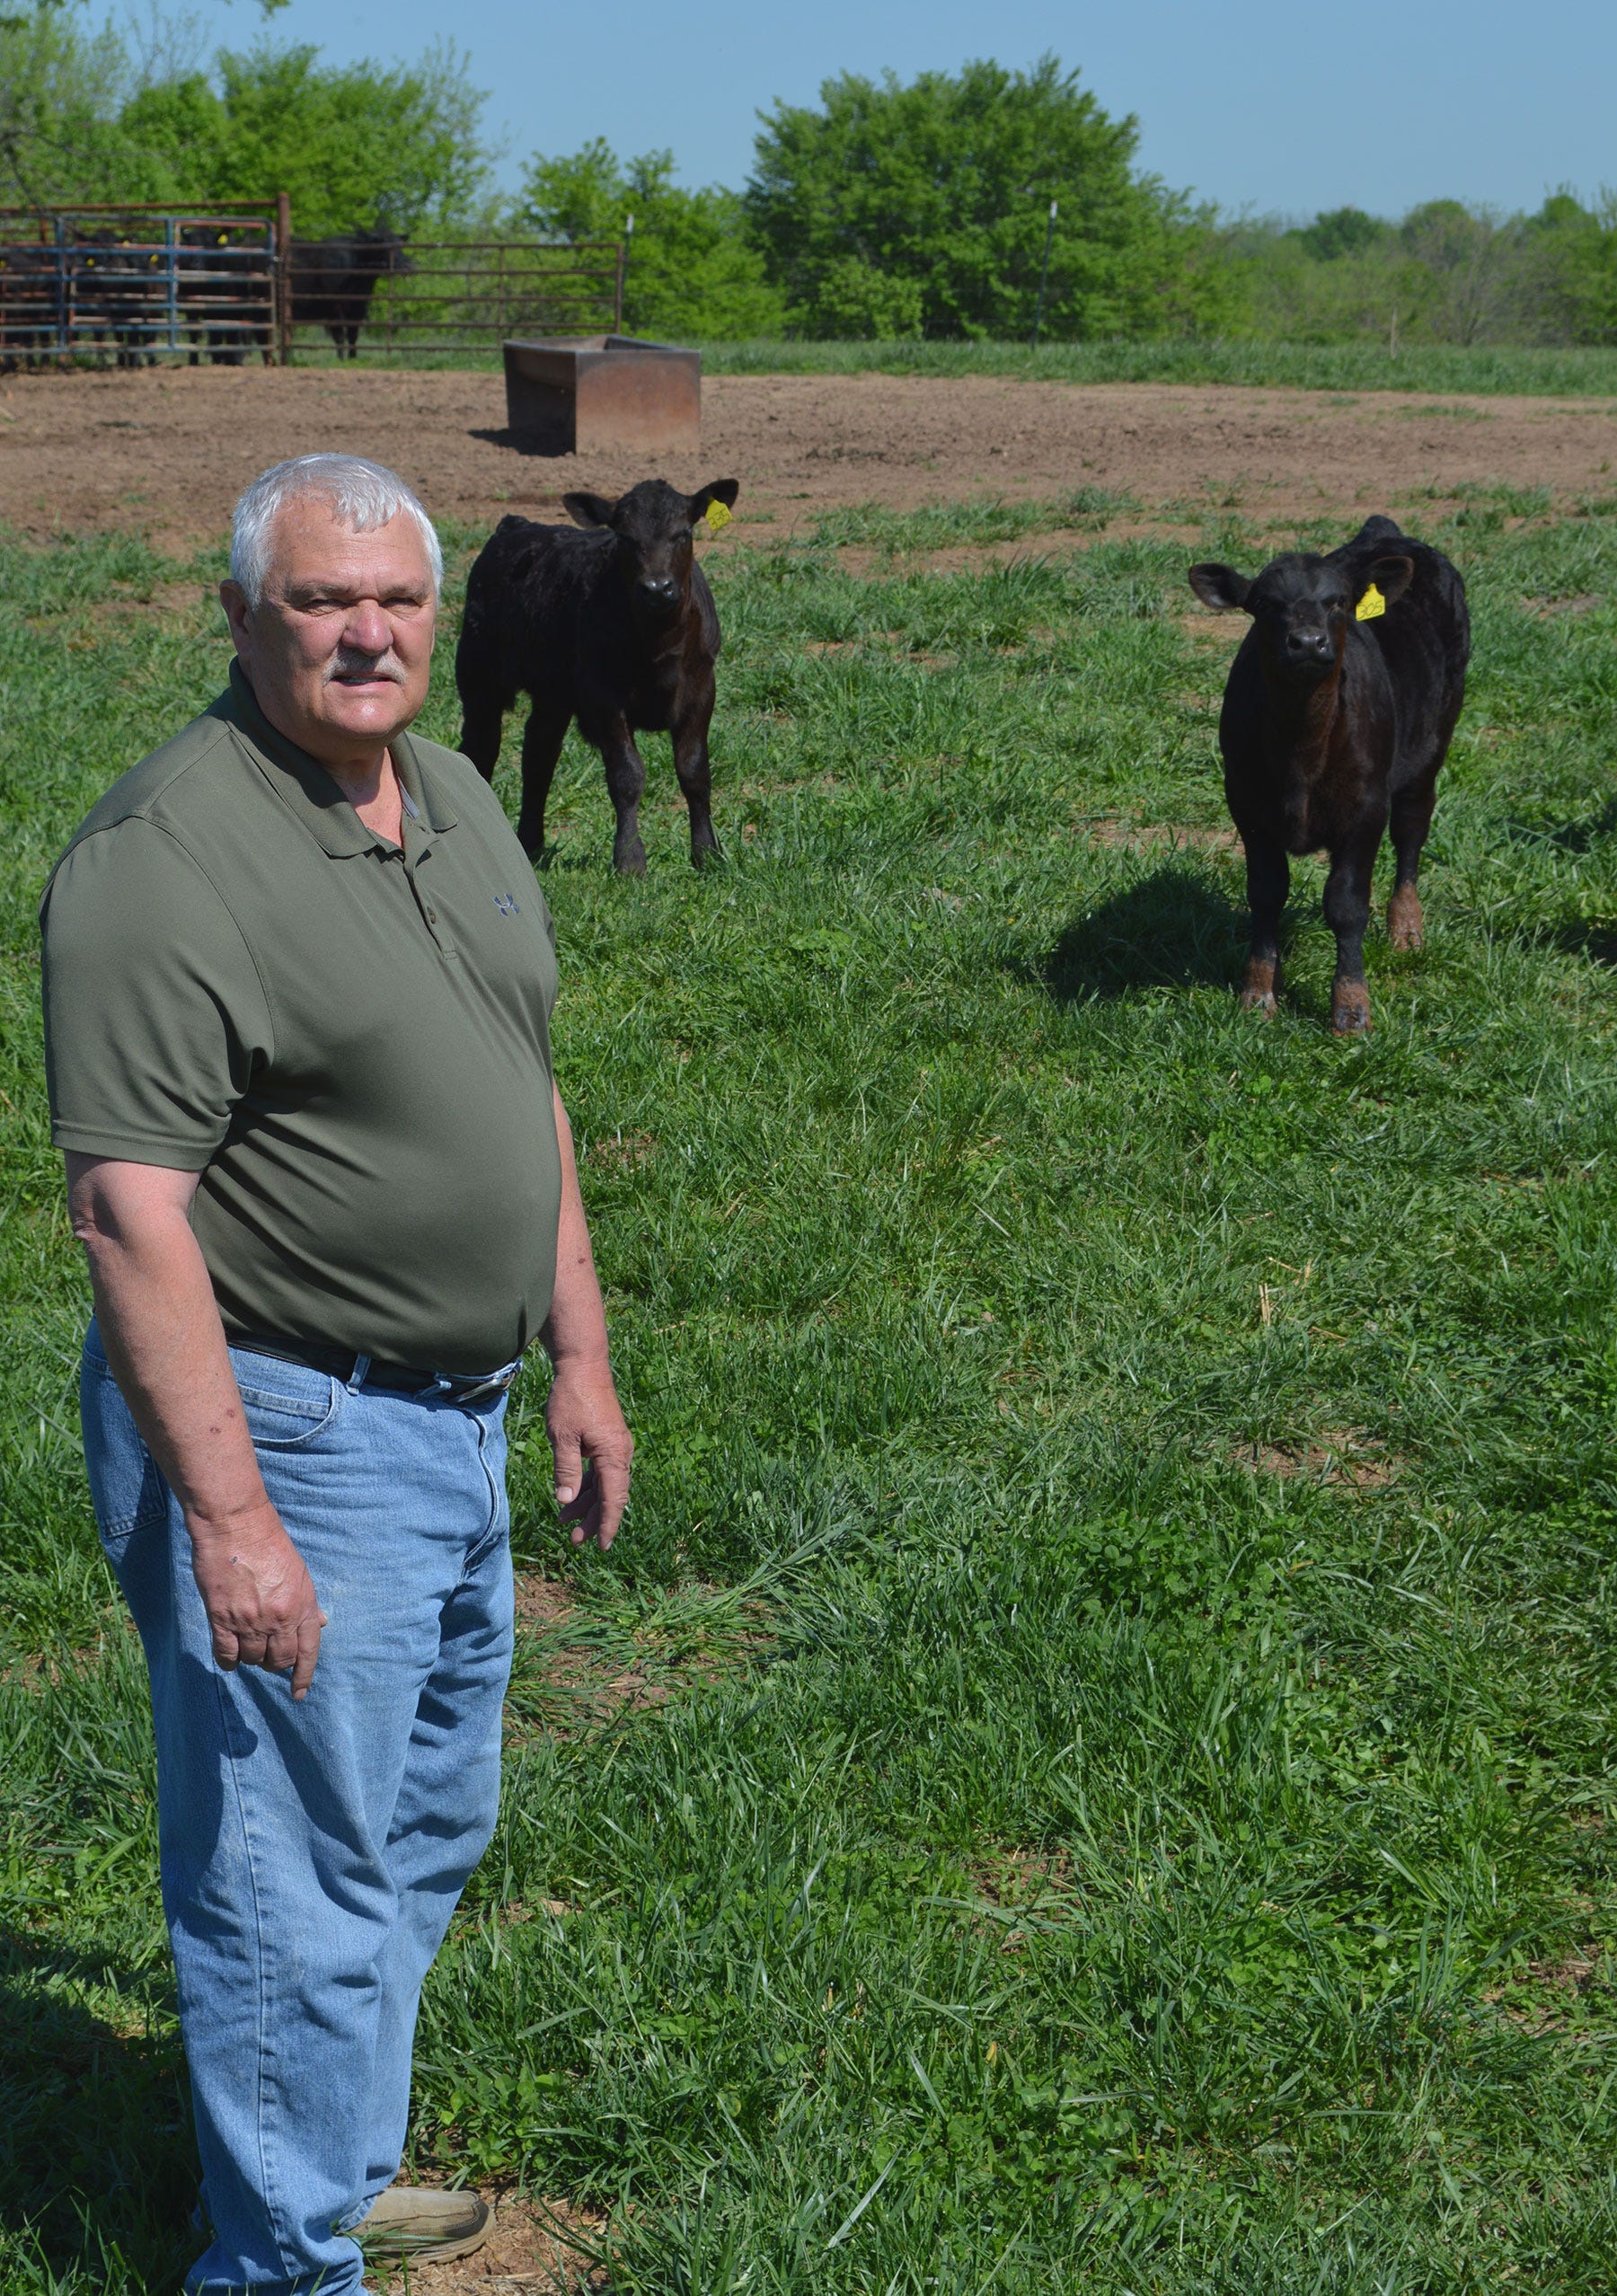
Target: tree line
{"x": 891, "y": 209}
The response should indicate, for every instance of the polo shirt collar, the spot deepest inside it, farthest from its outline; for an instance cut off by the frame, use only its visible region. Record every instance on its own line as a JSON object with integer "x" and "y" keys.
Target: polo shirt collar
{"x": 425, "y": 788}
{"x": 309, "y": 790}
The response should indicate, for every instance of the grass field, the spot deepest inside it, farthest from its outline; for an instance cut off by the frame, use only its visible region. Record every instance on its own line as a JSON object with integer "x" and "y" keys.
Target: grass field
{"x": 1486, "y": 369}
{"x": 1118, "y": 1788}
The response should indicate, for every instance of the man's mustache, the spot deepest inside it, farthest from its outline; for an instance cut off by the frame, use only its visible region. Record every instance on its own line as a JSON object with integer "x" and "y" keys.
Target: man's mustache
{"x": 345, "y": 664}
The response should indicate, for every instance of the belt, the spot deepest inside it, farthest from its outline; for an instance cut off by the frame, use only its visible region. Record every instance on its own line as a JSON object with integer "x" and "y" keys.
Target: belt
{"x": 364, "y": 1371}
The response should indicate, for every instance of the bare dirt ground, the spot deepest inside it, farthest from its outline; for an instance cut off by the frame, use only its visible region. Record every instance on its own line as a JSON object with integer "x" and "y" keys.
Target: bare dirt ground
{"x": 532, "y": 2248}
{"x": 170, "y": 450}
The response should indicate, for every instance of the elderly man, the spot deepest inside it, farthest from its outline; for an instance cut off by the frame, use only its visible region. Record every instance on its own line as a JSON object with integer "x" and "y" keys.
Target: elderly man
{"x": 297, "y": 988}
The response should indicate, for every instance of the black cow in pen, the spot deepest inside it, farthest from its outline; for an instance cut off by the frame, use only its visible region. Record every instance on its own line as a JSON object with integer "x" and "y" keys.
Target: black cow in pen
{"x": 333, "y": 281}
{"x": 616, "y": 626}
{"x": 226, "y": 292}
{"x": 1337, "y": 719}
{"x": 30, "y": 304}
{"x": 117, "y": 292}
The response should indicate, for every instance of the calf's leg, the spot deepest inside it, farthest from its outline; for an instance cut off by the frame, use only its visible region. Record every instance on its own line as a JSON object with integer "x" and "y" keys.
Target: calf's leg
{"x": 625, "y": 778}
{"x": 1268, "y": 880}
{"x": 1411, "y": 820}
{"x": 542, "y": 740}
{"x": 1348, "y": 912}
{"x": 692, "y": 765}
{"x": 483, "y": 713}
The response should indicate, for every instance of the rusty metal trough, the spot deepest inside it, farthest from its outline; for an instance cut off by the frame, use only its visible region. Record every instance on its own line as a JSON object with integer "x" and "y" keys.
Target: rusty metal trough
{"x": 600, "y": 393}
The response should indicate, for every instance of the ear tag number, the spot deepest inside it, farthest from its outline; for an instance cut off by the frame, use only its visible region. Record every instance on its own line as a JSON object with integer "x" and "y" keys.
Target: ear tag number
{"x": 1370, "y": 605}
{"x": 717, "y": 516}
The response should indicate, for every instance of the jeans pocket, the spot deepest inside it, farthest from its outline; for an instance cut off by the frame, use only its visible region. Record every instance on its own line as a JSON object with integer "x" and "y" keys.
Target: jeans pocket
{"x": 287, "y": 1406}
{"x": 126, "y": 1488}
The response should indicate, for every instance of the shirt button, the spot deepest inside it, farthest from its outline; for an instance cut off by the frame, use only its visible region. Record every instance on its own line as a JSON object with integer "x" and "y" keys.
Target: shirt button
{"x": 432, "y": 916}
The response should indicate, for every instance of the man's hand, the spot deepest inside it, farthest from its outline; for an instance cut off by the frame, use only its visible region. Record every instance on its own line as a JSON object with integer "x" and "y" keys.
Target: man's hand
{"x": 584, "y": 1422}
{"x": 259, "y": 1596}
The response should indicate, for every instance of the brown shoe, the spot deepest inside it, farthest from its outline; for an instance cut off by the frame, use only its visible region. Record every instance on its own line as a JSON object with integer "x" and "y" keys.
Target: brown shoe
{"x": 423, "y": 2223}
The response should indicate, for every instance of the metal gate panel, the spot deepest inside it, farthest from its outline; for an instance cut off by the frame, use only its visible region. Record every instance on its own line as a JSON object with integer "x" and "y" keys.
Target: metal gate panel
{"x": 444, "y": 296}
{"x": 131, "y": 285}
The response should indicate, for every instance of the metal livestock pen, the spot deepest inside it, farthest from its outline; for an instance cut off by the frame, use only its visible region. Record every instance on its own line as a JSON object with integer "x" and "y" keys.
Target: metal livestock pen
{"x": 134, "y": 283}
{"x": 131, "y": 285}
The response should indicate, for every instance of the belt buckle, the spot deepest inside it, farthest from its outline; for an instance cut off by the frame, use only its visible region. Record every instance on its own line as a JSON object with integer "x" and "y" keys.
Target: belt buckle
{"x": 479, "y": 1390}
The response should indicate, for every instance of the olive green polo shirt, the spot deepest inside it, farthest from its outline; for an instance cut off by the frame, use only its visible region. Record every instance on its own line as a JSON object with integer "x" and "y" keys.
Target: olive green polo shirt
{"x": 348, "y": 1040}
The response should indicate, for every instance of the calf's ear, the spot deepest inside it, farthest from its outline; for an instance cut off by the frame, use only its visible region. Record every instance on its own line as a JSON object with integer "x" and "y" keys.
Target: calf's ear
{"x": 724, "y": 490}
{"x": 1391, "y": 577}
{"x": 1219, "y": 586}
{"x": 588, "y": 509}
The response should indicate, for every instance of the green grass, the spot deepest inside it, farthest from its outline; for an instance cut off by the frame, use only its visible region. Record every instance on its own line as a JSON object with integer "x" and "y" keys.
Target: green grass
{"x": 1489, "y": 369}
{"x": 1486, "y": 370}
{"x": 1125, "y": 1517}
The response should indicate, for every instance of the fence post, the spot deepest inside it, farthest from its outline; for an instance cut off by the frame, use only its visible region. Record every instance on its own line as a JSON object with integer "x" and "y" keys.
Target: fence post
{"x": 283, "y": 276}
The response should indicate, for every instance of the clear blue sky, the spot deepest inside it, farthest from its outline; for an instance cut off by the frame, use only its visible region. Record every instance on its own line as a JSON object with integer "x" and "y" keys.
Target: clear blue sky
{"x": 1279, "y": 105}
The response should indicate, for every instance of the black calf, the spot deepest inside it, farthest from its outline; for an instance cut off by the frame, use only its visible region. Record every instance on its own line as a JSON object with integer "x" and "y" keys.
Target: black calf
{"x": 1337, "y": 716}
{"x": 616, "y": 627}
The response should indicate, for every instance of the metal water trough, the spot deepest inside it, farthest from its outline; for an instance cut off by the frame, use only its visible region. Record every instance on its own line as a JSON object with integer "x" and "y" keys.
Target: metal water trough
{"x": 601, "y": 393}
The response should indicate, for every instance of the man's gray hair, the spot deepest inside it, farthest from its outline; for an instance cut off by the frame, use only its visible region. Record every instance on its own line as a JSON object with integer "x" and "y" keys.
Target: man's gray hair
{"x": 362, "y": 495}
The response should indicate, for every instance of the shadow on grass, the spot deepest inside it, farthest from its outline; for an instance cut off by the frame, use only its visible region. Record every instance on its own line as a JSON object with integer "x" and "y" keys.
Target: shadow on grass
{"x": 1594, "y": 937}
{"x": 1578, "y": 836}
{"x": 97, "y": 2160}
{"x": 1169, "y": 930}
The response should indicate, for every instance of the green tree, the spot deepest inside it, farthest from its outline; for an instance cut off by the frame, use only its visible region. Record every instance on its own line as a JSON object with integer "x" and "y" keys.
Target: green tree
{"x": 1574, "y": 251}
{"x": 360, "y": 143}
{"x": 692, "y": 269}
{"x": 353, "y": 145}
{"x": 176, "y": 142}
{"x": 923, "y": 205}
{"x": 1473, "y": 289}
{"x": 61, "y": 89}
{"x": 1342, "y": 231}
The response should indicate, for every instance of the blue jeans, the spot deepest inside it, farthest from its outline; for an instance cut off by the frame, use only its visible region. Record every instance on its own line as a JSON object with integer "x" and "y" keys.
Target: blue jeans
{"x": 312, "y": 1854}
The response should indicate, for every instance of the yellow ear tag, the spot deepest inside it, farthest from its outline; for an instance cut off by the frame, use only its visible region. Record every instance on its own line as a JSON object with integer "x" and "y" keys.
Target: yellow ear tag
{"x": 717, "y": 516}
{"x": 1370, "y": 605}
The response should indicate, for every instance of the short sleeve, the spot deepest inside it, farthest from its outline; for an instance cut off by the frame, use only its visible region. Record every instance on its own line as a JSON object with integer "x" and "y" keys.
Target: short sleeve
{"x": 155, "y": 1018}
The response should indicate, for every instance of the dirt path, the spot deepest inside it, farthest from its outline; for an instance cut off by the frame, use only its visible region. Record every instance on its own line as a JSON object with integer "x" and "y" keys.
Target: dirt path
{"x": 170, "y": 450}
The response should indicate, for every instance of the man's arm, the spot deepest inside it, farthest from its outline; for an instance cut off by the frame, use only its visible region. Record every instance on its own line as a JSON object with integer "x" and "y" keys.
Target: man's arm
{"x": 160, "y": 1326}
{"x": 582, "y": 1415}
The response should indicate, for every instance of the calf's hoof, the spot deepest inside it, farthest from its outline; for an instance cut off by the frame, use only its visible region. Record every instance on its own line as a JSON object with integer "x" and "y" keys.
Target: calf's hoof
{"x": 630, "y": 861}
{"x": 1258, "y": 990}
{"x": 1406, "y": 927}
{"x": 1350, "y": 1009}
{"x": 704, "y": 856}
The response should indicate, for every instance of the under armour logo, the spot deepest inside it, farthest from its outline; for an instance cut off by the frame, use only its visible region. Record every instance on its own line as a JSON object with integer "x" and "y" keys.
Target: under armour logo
{"x": 505, "y": 905}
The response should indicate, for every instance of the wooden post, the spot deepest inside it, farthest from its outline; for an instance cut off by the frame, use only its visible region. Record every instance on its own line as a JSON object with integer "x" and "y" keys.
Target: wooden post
{"x": 1044, "y": 277}
{"x": 283, "y": 275}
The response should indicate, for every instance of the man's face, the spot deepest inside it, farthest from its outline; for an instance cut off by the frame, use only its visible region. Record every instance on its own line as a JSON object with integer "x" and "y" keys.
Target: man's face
{"x": 338, "y": 649}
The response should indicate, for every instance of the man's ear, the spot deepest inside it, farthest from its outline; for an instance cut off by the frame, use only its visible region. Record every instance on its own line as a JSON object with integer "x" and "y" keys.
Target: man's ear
{"x": 233, "y": 599}
{"x": 1391, "y": 576}
{"x": 588, "y": 509}
{"x": 724, "y": 490}
{"x": 1219, "y": 586}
